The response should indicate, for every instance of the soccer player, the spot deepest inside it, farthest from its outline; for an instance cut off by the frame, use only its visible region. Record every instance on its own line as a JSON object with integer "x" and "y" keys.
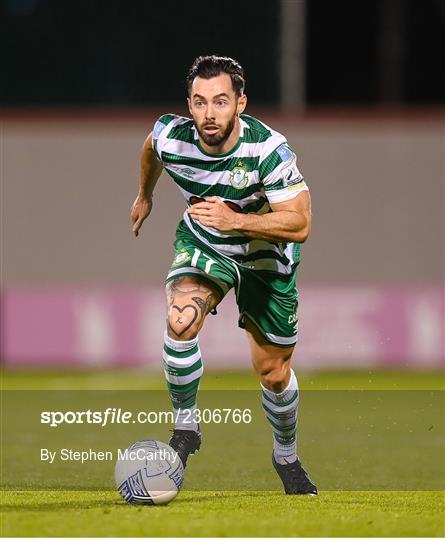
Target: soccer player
{"x": 248, "y": 211}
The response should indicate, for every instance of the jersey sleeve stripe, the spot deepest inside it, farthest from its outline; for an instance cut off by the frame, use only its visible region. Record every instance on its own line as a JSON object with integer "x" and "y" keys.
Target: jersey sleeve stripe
{"x": 166, "y": 118}
{"x": 286, "y": 194}
{"x": 273, "y": 187}
{"x": 269, "y": 164}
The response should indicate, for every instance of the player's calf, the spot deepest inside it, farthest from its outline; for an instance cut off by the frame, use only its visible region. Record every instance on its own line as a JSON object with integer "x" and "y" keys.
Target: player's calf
{"x": 276, "y": 376}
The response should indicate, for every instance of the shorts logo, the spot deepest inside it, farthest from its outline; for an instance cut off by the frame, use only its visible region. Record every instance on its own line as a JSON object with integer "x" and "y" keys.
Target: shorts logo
{"x": 238, "y": 176}
{"x": 293, "y": 319}
{"x": 182, "y": 257}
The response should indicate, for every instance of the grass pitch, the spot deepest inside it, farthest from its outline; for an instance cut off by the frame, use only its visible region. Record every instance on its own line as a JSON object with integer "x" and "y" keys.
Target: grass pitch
{"x": 225, "y": 514}
{"x": 240, "y": 513}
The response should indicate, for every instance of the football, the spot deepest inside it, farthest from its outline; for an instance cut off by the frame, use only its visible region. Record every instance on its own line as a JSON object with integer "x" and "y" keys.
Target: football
{"x": 148, "y": 472}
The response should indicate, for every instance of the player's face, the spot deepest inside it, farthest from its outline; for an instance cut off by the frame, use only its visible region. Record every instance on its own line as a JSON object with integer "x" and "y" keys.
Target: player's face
{"x": 214, "y": 106}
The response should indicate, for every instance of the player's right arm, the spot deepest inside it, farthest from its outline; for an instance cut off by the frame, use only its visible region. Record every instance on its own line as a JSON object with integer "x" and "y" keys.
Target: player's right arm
{"x": 151, "y": 169}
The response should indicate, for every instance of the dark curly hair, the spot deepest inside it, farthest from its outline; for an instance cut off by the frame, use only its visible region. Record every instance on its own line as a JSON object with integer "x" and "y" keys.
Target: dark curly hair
{"x": 208, "y": 67}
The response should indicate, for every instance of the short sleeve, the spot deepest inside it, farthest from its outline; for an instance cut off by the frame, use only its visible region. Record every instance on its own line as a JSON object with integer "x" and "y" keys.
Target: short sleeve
{"x": 159, "y": 130}
{"x": 280, "y": 175}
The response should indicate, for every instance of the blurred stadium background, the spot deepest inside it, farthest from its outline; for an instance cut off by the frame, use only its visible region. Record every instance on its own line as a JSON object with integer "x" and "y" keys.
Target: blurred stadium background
{"x": 355, "y": 86}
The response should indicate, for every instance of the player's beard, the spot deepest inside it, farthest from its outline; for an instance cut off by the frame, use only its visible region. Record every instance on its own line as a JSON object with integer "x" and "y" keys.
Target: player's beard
{"x": 220, "y": 137}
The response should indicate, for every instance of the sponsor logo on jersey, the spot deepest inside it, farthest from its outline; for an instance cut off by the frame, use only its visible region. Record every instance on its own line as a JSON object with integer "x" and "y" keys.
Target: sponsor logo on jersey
{"x": 238, "y": 176}
{"x": 181, "y": 257}
{"x": 184, "y": 171}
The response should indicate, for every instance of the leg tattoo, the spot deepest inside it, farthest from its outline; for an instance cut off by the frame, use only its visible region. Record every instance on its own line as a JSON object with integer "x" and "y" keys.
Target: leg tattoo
{"x": 180, "y": 326}
{"x": 184, "y": 311}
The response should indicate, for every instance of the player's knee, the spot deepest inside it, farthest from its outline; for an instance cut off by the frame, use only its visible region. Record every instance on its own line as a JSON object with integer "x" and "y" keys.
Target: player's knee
{"x": 187, "y": 335}
{"x": 188, "y": 301}
{"x": 276, "y": 377}
{"x": 182, "y": 325}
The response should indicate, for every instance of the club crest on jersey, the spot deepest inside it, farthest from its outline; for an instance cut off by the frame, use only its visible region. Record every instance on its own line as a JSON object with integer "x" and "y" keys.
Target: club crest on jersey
{"x": 238, "y": 176}
{"x": 181, "y": 257}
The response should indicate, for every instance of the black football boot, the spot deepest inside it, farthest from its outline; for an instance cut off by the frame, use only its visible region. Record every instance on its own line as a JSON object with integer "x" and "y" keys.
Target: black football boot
{"x": 295, "y": 479}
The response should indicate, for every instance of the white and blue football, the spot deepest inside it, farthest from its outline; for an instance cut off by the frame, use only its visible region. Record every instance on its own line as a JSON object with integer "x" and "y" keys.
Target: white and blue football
{"x": 148, "y": 472}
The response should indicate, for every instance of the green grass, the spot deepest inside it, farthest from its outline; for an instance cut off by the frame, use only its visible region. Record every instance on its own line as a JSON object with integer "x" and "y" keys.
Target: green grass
{"x": 383, "y": 450}
{"x": 225, "y": 514}
{"x": 137, "y": 379}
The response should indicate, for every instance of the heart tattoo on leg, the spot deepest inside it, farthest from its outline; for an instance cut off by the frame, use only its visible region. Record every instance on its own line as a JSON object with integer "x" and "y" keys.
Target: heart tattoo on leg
{"x": 179, "y": 326}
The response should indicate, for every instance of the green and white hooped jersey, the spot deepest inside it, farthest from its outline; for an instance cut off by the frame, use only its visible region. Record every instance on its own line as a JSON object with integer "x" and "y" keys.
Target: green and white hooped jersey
{"x": 259, "y": 170}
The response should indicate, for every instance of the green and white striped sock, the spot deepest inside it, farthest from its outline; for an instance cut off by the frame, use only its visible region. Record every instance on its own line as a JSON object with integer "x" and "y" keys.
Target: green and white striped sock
{"x": 281, "y": 411}
{"x": 183, "y": 369}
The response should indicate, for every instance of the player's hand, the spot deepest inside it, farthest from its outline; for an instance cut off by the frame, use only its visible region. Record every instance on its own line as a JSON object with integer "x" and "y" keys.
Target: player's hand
{"x": 214, "y": 213}
{"x": 139, "y": 212}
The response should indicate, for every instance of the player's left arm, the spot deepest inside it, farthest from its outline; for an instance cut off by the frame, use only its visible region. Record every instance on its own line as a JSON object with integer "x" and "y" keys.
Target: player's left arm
{"x": 289, "y": 221}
